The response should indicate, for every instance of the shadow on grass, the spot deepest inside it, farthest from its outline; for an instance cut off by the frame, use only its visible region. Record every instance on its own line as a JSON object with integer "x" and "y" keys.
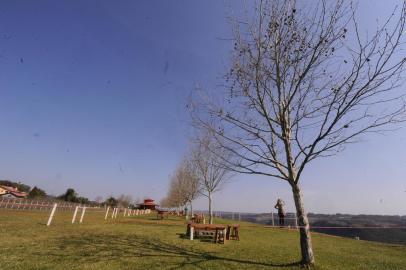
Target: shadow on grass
{"x": 158, "y": 219}
{"x": 207, "y": 238}
{"x": 165, "y": 219}
{"x": 97, "y": 248}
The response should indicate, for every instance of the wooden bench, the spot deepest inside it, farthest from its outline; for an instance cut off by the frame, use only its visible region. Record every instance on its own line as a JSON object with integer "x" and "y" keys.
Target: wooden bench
{"x": 198, "y": 219}
{"x": 218, "y": 229}
{"x": 233, "y": 232}
{"x": 161, "y": 214}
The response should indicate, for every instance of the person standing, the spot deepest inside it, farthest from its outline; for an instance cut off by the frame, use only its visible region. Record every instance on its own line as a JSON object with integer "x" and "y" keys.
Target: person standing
{"x": 281, "y": 211}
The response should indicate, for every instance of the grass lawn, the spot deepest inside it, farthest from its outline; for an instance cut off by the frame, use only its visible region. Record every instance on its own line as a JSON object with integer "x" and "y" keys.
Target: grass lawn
{"x": 146, "y": 243}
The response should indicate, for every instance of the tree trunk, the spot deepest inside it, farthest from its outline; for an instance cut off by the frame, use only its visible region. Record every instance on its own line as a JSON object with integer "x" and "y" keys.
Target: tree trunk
{"x": 304, "y": 228}
{"x": 191, "y": 209}
{"x": 210, "y": 211}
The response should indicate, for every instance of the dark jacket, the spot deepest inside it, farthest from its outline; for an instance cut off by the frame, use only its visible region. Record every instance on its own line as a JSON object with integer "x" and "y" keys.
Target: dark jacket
{"x": 279, "y": 205}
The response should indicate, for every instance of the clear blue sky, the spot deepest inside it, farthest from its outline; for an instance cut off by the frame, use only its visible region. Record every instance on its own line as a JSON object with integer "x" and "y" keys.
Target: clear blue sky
{"x": 93, "y": 95}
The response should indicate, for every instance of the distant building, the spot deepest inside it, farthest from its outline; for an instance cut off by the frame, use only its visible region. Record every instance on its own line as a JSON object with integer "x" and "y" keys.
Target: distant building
{"x": 6, "y": 190}
{"x": 147, "y": 204}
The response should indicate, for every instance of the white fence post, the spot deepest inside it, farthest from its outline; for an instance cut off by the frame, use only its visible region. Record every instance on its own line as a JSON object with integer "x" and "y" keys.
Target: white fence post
{"x": 107, "y": 212}
{"x": 296, "y": 221}
{"x": 52, "y": 214}
{"x": 191, "y": 232}
{"x": 74, "y": 214}
{"x": 83, "y": 214}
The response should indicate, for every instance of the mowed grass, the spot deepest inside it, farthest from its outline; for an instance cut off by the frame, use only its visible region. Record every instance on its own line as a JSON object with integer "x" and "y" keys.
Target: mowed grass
{"x": 146, "y": 243}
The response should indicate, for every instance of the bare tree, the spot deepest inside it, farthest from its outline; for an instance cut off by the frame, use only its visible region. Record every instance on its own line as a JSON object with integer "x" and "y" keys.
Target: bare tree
{"x": 184, "y": 187}
{"x": 99, "y": 199}
{"x": 176, "y": 198}
{"x": 137, "y": 201}
{"x": 172, "y": 199}
{"x": 124, "y": 200}
{"x": 164, "y": 202}
{"x": 188, "y": 182}
{"x": 207, "y": 159}
{"x": 304, "y": 83}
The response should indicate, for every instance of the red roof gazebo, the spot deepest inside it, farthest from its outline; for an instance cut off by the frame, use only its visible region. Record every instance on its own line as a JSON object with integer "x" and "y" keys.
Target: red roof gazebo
{"x": 147, "y": 204}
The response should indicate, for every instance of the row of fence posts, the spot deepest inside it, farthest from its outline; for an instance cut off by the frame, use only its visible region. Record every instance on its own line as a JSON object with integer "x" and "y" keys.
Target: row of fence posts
{"x": 24, "y": 204}
{"x": 233, "y": 217}
{"x": 127, "y": 212}
{"x": 83, "y": 209}
{"x": 294, "y": 219}
{"x": 116, "y": 210}
{"x": 32, "y": 204}
{"x": 81, "y": 216}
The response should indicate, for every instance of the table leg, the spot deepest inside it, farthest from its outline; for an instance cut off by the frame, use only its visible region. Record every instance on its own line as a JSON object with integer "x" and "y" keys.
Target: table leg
{"x": 191, "y": 232}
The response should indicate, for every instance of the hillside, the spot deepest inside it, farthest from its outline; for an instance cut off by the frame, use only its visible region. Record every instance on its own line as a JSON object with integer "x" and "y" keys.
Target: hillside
{"x": 385, "y": 235}
{"x": 382, "y": 234}
{"x": 147, "y": 243}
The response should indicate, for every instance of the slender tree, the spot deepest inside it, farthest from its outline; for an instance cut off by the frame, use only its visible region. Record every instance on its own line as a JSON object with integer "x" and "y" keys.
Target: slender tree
{"x": 175, "y": 197}
{"x": 304, "y": 83}
{"x": 124, "y": 200}
{"x": 184, "y": 187}
{"x": 98, "y": 199}
{"x": 207, "y": 159}
{"x": 188, "y": 182}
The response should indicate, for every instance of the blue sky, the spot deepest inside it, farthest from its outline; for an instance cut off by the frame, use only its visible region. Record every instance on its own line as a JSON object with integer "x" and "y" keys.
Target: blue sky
{"x": 93, "y": 95}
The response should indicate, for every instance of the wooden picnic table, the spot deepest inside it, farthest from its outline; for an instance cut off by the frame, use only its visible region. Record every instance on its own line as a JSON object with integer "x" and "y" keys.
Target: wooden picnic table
{"x": 218, "y": 228}
{"x": 161, "y": 214}
{"x": 198, "y": 219}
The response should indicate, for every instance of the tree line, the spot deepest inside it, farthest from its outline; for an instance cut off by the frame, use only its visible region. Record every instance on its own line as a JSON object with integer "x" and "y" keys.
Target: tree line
{"x": 70, "y": 195}
{"x": 200, "y": 173}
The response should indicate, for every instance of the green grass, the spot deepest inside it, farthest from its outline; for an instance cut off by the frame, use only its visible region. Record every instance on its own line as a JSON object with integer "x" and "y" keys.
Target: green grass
{"x": 146, "y": 243}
